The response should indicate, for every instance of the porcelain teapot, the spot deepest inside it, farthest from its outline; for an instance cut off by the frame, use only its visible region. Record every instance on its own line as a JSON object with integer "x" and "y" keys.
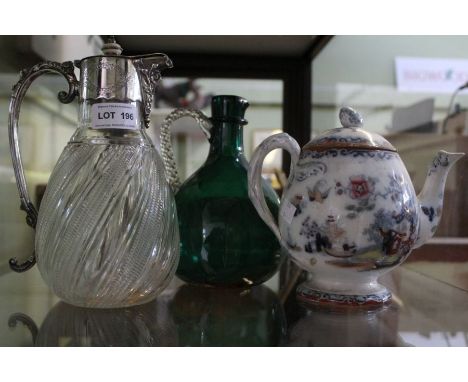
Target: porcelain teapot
{"x": 349, "y": 212}
{"x": 106, "y": 231}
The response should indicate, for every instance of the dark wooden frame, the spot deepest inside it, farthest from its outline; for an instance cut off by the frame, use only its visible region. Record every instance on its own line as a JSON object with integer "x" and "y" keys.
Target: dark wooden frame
{"x": 295, "y": 72}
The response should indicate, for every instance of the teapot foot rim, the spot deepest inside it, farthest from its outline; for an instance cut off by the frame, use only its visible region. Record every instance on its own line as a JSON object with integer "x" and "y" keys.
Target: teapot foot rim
{"x": 308, "y": 295}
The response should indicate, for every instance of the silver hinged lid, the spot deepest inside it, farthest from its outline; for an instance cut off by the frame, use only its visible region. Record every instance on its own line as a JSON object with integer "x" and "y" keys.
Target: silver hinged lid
{"x": 117, "y": 77}
{"x": 121, "y": 78}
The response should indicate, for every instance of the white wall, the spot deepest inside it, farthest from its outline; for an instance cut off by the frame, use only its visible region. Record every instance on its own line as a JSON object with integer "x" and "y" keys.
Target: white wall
{"x": 359, "y": 71}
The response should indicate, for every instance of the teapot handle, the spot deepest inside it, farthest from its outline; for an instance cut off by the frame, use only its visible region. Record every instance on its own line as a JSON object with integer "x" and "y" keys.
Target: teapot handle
{"x": 167, "y": 152}
{"x": 277, "y": 141}
{"x": 27, "y": 76}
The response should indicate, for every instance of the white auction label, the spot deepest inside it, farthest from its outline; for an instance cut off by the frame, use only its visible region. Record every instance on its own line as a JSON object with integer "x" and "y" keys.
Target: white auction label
{"x": 114, "y": 116}
{"x": 288, "y": 211}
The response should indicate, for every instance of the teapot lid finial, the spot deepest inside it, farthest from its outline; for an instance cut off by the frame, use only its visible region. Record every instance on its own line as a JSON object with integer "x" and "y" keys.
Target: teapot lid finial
{"x": 111, "y": 48}
{"x": 350, "y": 136}
{"x": 350, "y": 118}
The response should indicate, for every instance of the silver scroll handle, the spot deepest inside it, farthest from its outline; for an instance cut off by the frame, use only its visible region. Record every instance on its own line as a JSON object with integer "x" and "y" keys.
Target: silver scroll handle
{"x": 27, "y": 76}
{"x": 167, "y": 152}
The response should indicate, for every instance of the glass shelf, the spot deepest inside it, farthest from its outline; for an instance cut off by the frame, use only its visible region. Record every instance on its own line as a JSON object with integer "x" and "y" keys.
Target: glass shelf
{"x": 425, "y": 311}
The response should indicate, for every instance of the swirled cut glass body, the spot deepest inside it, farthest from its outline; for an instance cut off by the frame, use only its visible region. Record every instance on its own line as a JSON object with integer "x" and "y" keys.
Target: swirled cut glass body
{"x": 107, "y": 230}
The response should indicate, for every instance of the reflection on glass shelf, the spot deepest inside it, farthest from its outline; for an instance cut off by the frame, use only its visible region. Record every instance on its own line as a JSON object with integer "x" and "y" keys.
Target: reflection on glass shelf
{"x": 66, "y": 325}
{"x": 426, "y": 311}
{"x": 228, "y": 317}
{"x": 436, "y": 338}
{"x": 347, "y": 327}
{"x": 193, "y": 316}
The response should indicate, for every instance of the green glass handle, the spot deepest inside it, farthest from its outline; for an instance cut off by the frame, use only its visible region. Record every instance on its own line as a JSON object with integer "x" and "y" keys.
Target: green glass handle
{"x": 167, "y": 152}
{"x": 277, "y": 141}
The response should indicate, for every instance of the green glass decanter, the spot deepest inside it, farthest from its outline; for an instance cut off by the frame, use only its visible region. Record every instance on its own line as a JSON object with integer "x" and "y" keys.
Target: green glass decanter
{"x": 223, "y": 241}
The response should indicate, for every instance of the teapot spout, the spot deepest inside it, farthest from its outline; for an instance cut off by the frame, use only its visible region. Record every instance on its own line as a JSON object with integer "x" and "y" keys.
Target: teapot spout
{"x": 432, "y": 195}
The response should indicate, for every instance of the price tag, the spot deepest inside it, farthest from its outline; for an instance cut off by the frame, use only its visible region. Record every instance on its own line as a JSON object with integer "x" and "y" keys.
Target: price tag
{"x": 114, "y": 116}
{"x": 288, "y": 211}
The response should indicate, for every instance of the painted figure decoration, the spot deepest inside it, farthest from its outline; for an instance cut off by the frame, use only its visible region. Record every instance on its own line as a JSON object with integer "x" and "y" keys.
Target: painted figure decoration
{"x": 349, "y": 212}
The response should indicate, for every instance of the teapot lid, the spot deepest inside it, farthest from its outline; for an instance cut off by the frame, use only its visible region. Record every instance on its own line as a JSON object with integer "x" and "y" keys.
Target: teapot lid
{"x": 350, "y": 135}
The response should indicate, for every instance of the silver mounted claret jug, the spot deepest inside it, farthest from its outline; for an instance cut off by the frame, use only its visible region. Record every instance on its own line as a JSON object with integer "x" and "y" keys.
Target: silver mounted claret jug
{"x": 106, "y": 231}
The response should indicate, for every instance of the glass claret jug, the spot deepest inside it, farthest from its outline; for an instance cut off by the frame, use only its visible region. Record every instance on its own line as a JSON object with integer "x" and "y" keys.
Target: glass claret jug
{"x": 106, "y": 231}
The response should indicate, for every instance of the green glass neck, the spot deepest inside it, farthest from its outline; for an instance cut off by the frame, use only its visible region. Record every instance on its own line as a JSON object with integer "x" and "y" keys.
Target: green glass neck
{"x": 226, "y": 140}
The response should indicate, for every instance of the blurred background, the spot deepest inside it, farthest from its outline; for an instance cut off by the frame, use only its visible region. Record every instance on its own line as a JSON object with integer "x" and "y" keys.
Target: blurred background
{"x": 406, "y": 88}
{"x": 402, "y": 85}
